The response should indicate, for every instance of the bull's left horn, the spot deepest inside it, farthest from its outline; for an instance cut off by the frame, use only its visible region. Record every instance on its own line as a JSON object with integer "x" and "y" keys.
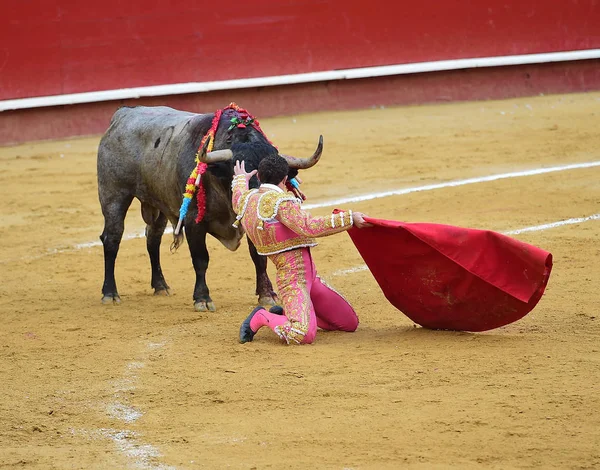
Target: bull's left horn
{"x": 304, "y": 163}
{"x": 216, "y": 156}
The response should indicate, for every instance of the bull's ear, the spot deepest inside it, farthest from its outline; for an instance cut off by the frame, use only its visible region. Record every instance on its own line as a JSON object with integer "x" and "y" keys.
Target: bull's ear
{"x": 292, "y": 173}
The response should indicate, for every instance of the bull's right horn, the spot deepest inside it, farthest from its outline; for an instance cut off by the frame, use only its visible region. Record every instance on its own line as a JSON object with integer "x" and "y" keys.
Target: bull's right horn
{"x": 304, "y": 163}
{"x": 216, "y": 156}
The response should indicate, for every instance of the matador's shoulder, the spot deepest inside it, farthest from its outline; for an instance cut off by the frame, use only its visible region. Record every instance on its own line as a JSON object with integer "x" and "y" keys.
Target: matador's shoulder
{"x": 269, "y": 203}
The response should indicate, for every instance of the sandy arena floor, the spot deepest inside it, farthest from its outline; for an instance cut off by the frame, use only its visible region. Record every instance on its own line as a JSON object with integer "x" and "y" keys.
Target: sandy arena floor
{"x": 151, "y": 384}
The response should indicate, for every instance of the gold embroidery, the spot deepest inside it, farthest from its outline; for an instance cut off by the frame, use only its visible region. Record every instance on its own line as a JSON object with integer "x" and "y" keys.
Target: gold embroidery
{"x": 256, "y": 207}
{"x": 243, "y": 202}
{"x": 268, "y": 204}
{"x": 291, "y": 283}
{"x": 285, "y": 245}
{"x": 301, "y": 222}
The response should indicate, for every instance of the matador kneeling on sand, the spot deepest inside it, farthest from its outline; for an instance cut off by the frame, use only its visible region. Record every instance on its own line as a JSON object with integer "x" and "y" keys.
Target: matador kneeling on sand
{"x": 281, "y": 230}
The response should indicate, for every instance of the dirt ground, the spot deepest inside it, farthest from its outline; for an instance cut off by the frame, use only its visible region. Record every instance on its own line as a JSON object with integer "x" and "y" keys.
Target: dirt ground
{"x": 152, "y": 384}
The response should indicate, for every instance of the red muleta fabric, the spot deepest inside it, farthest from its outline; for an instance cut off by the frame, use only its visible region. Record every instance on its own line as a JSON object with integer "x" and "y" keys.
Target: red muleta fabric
{"x": 453, "y": 278}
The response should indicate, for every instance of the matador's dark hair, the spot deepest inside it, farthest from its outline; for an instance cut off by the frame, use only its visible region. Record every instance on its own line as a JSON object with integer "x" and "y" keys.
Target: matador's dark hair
{"x": 272, "y": 169}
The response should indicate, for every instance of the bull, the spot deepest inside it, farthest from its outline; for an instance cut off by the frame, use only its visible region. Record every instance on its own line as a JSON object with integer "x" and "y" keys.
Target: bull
{"x": 148, "y": 153}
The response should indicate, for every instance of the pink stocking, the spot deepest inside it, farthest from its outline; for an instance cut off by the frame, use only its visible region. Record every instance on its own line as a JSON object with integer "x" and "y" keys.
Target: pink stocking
{"x": 264, "y": 318}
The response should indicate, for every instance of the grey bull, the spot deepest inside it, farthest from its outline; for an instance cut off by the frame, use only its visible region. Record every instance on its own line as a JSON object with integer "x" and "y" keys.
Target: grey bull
{"x": 148, "y": 153}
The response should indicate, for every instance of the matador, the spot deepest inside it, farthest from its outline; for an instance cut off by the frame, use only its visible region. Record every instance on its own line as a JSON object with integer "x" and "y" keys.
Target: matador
{"x": 281, "y": 230}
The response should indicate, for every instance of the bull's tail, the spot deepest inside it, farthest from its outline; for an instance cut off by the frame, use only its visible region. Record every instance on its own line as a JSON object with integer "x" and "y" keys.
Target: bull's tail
{"x": 177, "y": 241}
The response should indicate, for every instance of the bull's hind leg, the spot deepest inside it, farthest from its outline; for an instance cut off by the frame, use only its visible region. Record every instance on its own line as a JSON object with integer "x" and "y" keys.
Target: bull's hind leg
{"x": 114, "y": 209}
{"x": 264, "y": 288}
{"x": 156, "y": 222}
{"x": 196, "y": 238}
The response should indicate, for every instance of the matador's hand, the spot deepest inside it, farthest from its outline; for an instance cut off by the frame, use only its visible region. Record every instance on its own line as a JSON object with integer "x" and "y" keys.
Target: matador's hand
{"x": 240, "y": 169}
{"x": 359, "y": 220}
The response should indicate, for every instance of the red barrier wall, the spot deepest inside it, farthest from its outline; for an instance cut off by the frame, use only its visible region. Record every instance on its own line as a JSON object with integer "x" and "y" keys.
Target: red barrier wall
{"x": 459, "y": 85}
{"x": 69, "y": 46}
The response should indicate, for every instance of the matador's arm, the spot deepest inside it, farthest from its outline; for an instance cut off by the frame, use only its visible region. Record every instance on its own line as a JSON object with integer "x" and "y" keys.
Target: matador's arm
{"x": 239, "y": 187}
{"x": 292, "y": 216}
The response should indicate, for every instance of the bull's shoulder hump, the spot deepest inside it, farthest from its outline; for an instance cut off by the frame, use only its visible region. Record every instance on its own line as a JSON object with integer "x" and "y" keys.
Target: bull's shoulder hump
{"x": 153, "y": 112}
{"x": 143, "y": 119}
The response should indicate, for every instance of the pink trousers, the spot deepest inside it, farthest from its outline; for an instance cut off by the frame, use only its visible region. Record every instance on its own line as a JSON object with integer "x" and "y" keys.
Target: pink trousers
{"x": 307, "y": 301}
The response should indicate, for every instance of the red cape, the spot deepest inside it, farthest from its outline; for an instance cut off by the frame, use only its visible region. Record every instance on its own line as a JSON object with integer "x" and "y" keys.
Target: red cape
{"x": 453, "y": 278}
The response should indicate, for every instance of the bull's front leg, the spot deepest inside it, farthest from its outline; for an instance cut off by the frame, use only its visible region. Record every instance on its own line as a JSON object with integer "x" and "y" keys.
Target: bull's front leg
{"x": 264, "y": 288}
{"x": 196, "y": 239}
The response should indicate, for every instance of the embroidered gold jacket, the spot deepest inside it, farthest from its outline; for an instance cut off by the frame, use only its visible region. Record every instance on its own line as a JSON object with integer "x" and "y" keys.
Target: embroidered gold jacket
{"x": 275, "y": 221}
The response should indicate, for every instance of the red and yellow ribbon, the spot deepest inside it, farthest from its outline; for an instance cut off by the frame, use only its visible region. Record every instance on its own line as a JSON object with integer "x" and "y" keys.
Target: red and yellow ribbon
{"x": 194, "y": 181}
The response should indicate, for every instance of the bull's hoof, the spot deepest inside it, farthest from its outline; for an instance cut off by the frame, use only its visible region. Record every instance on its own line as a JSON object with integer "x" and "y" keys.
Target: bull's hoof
{"x": 267, "y": 301}
{"x": 203, "y": 306}
{"x": 162, "y": 291}
{"x": 110, "y": 299}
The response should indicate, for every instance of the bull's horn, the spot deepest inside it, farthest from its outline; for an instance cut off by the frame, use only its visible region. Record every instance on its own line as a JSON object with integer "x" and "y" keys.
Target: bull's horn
{"x": 304, "y": 163}
{"x": 216, "y": 156}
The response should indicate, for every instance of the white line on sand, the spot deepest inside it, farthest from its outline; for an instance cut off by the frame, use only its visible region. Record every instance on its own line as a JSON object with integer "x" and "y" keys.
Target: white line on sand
{"x": 399, "y": 192}
{"x": 365, "y": 197}
{"x": 451, "y": 184}
{"x": 129, "y": 236}
{"x": 533, "y": 228}
{"x": 537, "y": 228}
{"x": 141, "y": 455}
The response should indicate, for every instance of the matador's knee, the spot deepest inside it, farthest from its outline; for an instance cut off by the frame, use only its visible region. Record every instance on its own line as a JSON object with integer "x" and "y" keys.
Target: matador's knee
{"x": 296, "y": 333}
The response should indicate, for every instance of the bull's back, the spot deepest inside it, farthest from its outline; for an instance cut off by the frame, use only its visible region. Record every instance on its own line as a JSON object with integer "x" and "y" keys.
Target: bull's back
{"x": 133, "y": 131}
{"x": 148, "y": 118}
{"x": 142, "y": 152}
